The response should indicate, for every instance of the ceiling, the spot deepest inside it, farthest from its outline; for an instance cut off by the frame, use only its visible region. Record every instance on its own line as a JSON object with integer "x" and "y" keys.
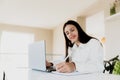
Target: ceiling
{"x": 42, "y": 13}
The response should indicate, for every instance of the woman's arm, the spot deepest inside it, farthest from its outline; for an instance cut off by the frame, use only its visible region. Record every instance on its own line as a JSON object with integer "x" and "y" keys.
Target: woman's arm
{"x": 95, "y": 61}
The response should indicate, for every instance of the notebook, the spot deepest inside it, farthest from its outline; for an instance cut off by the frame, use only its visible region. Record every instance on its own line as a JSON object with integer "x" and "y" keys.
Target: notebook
{"x": 37, "y": 57}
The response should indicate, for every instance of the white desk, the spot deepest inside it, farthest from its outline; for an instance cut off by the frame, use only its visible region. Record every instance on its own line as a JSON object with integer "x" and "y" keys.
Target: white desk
{"x": 25, "y": 74}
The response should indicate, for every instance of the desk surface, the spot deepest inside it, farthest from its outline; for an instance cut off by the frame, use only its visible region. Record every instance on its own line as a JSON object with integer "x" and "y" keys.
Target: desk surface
{"x": 26, "y": 74}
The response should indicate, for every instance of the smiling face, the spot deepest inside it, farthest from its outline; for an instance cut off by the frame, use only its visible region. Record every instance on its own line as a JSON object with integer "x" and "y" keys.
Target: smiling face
{"x": 71, "y": 33}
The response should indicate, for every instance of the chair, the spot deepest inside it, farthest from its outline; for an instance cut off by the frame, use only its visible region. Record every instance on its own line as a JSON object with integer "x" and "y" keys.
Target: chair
{"x": 109, "y": 65}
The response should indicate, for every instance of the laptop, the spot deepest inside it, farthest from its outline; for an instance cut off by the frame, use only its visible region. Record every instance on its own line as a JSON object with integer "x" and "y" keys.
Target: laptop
{"x": 37, "y": 57}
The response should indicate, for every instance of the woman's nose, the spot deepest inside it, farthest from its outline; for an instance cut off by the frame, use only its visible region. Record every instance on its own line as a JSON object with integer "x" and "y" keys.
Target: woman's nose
{"x": 70, "y": 34}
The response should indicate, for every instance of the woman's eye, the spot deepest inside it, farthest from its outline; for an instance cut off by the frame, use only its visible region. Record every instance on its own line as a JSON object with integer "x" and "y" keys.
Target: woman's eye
{"x": 72, "y": 30}
{"x": 67, "y": 33}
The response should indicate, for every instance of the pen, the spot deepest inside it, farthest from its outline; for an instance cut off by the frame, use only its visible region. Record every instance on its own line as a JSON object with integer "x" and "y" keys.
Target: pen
{"x": 70, "y": 52}
{"x": 66, "y": 58}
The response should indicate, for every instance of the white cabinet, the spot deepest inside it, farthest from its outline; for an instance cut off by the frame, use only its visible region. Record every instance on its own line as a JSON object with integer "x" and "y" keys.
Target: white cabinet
{"x": 112, "y": 33}
{"x": 114, "y": 17}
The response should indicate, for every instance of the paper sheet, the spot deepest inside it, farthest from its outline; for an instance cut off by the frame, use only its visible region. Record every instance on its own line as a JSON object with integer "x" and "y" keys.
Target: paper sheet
{"x": 68, "y": 74}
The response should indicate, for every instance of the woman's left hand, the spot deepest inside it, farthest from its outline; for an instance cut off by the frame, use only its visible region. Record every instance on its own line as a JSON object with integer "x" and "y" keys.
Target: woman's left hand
{"x": 65, "y": 67}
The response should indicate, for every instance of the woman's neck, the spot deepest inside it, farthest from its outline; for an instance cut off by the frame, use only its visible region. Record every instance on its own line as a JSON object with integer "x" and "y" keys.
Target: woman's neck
{"x": 77, "y": 43}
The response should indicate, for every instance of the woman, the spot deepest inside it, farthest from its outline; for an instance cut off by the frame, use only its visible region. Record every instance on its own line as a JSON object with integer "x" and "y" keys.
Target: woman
{"x": 85, "y": 52}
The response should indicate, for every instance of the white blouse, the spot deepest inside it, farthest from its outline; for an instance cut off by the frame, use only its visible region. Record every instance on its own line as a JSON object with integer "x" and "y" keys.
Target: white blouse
{"x": 88, "y": 58}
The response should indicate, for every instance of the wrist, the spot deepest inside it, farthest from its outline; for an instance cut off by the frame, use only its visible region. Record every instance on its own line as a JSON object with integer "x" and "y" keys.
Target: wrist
{"x": 74, "y": 65}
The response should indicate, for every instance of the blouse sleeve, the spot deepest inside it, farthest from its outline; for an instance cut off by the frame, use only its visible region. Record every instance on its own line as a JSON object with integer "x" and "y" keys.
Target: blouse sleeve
{"x": 95, "y": 61}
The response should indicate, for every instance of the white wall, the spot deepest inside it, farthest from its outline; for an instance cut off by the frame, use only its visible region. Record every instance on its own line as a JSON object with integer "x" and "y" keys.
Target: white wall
{"x": 95, "y": 25}
{"x": 59, "y": 42}
{"x": 112, "y": 31}
{"x": 112, "y": 39}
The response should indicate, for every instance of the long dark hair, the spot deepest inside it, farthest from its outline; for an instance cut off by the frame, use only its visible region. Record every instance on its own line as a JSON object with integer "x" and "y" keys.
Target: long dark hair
{"x": 83, "y": 37}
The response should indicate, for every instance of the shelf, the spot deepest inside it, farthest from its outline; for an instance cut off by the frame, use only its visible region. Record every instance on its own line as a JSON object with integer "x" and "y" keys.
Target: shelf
{"x": 114, "y": 17}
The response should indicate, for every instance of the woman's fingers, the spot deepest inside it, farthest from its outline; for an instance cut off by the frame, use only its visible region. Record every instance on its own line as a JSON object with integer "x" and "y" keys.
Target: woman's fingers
{"x": 65, "y": 67}
{"x": 60, "y": 65}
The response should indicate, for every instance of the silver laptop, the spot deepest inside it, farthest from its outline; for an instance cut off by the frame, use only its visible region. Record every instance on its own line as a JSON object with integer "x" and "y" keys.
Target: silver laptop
{"x": 37, "y": 57}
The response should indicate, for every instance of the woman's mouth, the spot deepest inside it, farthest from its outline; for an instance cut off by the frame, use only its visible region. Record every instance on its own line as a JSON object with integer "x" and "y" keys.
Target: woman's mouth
{"x": 73, "y": 37}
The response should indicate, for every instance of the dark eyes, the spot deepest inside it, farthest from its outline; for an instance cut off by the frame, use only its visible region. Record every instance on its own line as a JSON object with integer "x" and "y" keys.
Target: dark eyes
{"x": 71, "y": 30}
{"x": 67, "y": 33}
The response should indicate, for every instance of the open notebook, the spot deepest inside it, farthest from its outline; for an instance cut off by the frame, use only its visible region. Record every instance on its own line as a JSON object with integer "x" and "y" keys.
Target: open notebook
{"x": 37, "y": 57}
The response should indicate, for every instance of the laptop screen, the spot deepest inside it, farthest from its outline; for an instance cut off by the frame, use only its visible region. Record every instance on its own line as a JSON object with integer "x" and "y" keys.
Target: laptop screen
{"x": 37, "y": 53}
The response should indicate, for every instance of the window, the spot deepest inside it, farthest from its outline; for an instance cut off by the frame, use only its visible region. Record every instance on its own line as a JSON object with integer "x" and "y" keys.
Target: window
{"x": 15, "y": 42}
{"x": 14, "y": 48}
